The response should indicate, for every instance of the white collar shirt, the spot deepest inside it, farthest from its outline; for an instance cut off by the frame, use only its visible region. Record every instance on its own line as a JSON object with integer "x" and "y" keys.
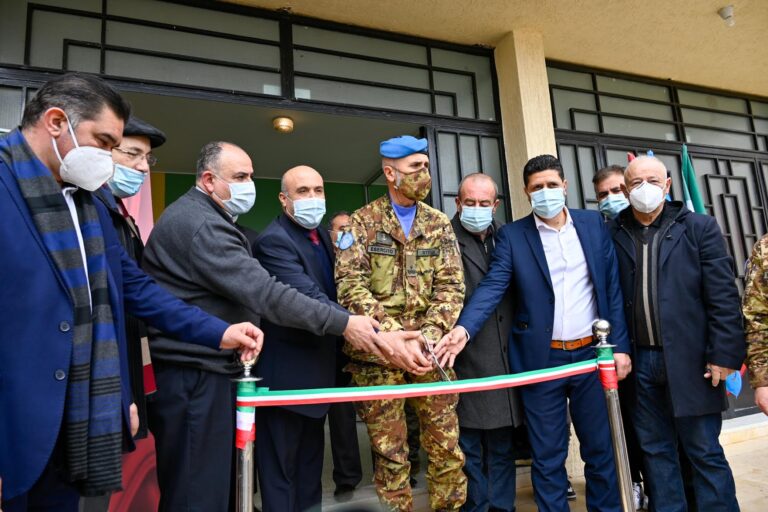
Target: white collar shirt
{"x": 575, "y": 306}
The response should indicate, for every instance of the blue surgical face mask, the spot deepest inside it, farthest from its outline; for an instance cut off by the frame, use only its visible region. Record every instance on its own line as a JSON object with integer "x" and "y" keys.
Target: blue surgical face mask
{"x": 612, "y": 205}
{"x": 308, "y": 213}
{"x": 126, "y": 182}
{"x": 548, "y": 202}
{"x": 476, "y": 219}
{"x": 241, "y": 197}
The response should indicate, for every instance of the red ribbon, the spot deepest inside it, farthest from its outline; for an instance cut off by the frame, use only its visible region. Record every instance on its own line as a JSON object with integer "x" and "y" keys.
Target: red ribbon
{"x": 608, "y": 377}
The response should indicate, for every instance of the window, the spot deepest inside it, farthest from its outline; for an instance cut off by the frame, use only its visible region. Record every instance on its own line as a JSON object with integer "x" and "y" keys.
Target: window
{"x": 594, "y": 101}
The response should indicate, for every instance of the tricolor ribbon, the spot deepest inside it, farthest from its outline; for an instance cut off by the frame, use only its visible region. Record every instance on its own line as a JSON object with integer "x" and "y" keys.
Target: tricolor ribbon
{"x": 262, "y": 397}
{"x": 607, "y": 366}
{"x": 245, "y": 416}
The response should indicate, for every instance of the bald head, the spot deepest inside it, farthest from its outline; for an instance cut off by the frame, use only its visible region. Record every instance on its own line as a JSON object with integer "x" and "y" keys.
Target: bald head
{"x": 478, "y": 183}
{"x": 477, "y": 190}
{"x": 645, "y": 168}
{"x": 300, "y": 182}
{"x": 300, "y": 173}
{"x": 642, "y": 177}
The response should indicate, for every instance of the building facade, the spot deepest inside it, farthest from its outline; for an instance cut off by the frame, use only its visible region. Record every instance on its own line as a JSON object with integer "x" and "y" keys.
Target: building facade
{"x": 490, "y": 84}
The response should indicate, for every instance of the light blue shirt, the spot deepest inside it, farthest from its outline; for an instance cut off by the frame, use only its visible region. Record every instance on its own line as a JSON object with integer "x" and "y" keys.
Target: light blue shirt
{"x": 405, "y": 214}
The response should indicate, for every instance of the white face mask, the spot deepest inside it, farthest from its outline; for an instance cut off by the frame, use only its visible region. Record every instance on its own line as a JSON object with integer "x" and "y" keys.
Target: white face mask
{"x": 87, "y": 167}
{"x": 242, "y": 196}
{"x": 547, "y": 203}
{"x": 308, "y": 212}
{"x": 476, "y": 219}
{"x": 646, "y": 197}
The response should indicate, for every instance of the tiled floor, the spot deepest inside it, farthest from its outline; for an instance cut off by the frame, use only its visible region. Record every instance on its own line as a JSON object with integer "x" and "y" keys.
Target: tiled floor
{"x": 746, "y": 450}
{"x": 748, "y": 461}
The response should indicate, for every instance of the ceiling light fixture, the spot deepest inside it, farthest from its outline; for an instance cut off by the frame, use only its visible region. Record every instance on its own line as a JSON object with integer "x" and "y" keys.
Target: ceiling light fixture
{"x": 283, "y": 124}
{"x": 727, "y": 14}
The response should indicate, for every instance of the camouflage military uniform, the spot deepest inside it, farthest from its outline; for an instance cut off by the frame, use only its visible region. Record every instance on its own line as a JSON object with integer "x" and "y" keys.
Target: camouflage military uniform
{"x": 755, "y": 308}
{"x": 413, "y": 284}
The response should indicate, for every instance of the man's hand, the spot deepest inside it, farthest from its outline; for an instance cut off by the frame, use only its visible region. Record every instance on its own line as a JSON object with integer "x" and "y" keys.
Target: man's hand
{"x": 133, "y": 413}
{"x": 717, "y": 373}
{"x": 451, "y": 345}
{"x": 761, "y": 398}
{"x": 407, "y": 352}
{"x": 361, "y": 334}
{"x": 244, "y": 336}
{"x": 623, "y": 365}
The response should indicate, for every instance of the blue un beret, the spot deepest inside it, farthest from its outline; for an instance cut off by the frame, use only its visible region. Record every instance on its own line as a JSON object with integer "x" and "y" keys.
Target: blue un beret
{"x": 400, "y": 147}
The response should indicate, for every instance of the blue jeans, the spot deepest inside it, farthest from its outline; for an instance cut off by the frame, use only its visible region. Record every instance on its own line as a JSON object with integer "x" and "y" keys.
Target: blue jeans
{"x": 658, "y": 431}
{"x": 490, "y": 469}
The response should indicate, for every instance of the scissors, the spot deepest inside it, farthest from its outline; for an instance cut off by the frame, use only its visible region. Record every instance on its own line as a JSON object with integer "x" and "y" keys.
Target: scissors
{"x": 443, "y": 375}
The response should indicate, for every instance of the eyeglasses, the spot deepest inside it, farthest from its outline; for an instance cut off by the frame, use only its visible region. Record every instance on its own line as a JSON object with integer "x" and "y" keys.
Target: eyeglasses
{"x": 149, "y": 157}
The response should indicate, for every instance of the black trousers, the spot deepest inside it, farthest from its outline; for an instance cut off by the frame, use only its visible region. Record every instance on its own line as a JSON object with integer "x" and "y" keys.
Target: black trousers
{"x": 192, "y": 419}
{"x": 347, "y": 470}
{"x": 289, "y": 457}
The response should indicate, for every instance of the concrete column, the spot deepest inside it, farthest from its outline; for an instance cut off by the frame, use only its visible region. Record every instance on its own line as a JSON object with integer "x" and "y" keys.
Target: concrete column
{"x": 526, "y": 119}
{"x": 526, "y": 111}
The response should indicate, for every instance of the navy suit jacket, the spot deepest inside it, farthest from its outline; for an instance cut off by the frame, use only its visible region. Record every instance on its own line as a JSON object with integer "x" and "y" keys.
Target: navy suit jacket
{"x": 519, "y": 264}
{"x": 294, "y": 358}
{"x": 36, "y": 334}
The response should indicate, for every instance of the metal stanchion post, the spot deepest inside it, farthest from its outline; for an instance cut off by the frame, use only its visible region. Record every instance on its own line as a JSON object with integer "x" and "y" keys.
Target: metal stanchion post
{"x": 244, "y": 443}
{"x": 607, "y": 371}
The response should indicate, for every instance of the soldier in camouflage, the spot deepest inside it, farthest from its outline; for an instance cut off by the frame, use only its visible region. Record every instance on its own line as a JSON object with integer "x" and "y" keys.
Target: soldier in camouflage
{"x": 755, "y": 307}
{"x": 402, "y": 266}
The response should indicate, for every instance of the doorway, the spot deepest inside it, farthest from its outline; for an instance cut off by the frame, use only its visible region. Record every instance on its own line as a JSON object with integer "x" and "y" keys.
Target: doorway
{"x": 344, "y": 150}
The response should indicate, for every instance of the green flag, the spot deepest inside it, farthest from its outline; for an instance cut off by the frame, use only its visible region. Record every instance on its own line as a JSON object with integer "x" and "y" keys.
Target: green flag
{"x": 691, "y": 194}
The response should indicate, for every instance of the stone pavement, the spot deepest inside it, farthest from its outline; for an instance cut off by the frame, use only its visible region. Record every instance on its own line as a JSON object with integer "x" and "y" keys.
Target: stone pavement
{"x": 746, "y": 446}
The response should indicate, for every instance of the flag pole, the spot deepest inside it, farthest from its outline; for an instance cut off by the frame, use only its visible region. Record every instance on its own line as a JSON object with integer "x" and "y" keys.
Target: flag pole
{"x": 608, "y": 378}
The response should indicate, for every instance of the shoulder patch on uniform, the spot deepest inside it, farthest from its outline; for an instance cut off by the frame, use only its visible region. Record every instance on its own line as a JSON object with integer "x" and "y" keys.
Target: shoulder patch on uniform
{"x": 423, "y": 253}
{"x": 346, "y": 240}
{"x": 377, "y": 249}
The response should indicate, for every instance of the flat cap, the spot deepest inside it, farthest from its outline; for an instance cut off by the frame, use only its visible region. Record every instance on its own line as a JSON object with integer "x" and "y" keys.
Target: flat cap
{"x": 139, "y": 127}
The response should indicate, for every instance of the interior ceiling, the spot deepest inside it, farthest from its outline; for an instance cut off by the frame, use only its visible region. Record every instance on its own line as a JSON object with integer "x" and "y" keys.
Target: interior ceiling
{"x": 682, "y": 40}
{"x": 342, "y": 149}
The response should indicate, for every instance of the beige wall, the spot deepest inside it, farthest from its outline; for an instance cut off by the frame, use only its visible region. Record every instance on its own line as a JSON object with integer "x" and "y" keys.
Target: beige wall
{"x": 525, "y": 107}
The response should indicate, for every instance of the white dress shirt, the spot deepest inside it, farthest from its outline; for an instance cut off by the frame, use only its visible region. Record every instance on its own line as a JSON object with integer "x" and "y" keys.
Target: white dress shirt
{"x": 68, "y": 193}
{"x": 575, "y": 306}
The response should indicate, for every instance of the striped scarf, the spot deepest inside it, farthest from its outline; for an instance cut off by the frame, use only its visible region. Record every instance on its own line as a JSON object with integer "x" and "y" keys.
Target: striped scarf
{"x": 91, "y": 430}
